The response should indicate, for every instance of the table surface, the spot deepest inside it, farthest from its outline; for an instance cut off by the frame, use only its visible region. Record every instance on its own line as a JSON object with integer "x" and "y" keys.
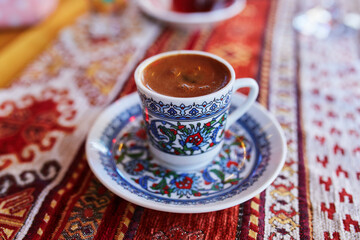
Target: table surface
{"x": 57, "y": 79}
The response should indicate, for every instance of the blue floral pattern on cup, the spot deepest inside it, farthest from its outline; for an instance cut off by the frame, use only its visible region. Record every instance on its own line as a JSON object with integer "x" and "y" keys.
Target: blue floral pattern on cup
{"x": 189, "y": 112}
{"x": 186, "y": 139}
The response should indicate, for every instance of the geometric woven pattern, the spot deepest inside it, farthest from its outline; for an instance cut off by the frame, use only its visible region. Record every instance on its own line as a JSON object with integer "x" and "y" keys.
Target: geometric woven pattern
{"x": 311, "y": 86}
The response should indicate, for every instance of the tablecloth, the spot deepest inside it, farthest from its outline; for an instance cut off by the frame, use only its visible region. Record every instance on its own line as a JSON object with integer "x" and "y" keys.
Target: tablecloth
{"x": 57, "y": 79}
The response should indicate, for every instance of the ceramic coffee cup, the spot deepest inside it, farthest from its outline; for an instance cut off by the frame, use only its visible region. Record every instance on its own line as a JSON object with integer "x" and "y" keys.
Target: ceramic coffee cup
{"x": 187, "y": 133}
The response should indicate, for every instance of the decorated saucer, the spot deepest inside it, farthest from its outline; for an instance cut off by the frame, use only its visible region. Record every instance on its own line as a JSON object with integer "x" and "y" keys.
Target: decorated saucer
{"x": 162, "y": 10}
{"x": 252, "y": 156}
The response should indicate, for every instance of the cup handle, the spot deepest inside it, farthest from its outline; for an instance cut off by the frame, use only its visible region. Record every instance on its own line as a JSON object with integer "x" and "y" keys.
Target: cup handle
{"x": 253, "y": 93}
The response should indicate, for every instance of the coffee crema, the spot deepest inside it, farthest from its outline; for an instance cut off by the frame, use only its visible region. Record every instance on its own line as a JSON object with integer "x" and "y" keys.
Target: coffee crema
{"x": 186, "y": 75}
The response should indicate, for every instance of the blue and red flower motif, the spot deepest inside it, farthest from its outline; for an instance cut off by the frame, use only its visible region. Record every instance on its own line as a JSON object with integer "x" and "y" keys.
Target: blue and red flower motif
{"x": 185, "y": 184}
{"x": 195, "y": 139}
{"x": 186, "y": 139}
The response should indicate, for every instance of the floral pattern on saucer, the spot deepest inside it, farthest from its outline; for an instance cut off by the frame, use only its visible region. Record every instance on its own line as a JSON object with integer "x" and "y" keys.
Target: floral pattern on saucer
{"x": 243, "y": 159}
{"x": 131, "y": 154}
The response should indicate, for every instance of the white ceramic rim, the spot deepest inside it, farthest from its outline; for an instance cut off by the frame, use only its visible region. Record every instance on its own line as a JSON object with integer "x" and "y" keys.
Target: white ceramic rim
{"x": 261, "y": 115}
{"x": 140, "y": 85}
{"x": 196, "y": 18}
